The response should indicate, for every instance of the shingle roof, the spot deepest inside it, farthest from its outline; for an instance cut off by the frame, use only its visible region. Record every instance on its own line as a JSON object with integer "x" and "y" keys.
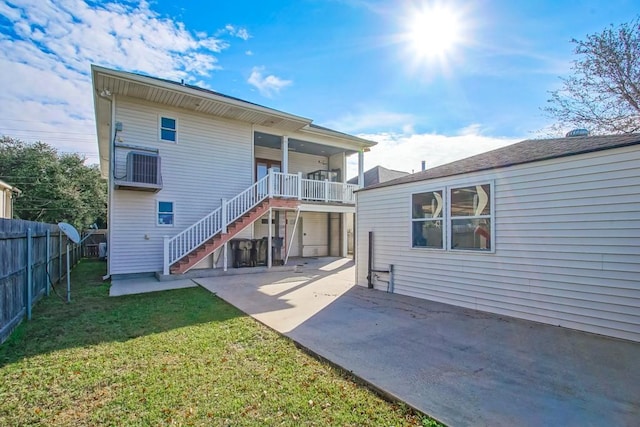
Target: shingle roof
{"x": 377, "y": 175}
{"x": 528, "y": 151}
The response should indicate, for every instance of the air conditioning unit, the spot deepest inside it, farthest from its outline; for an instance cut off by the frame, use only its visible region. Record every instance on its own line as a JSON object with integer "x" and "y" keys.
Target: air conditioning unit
{"x": 143, "y": 168}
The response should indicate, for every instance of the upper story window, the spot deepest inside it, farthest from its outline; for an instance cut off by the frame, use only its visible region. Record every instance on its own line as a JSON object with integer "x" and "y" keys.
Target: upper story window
{"x": 168, "y": 129}
{"x": 427, "y": 229}
{"x": 471, "y": 217}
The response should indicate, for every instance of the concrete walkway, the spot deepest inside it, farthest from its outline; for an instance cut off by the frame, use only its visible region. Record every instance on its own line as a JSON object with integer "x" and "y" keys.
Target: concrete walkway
{"x": 460, "y": 366}
{"x": 141, "y": 285}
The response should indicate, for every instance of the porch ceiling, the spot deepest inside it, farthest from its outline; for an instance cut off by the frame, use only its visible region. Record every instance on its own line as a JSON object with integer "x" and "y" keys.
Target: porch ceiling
{"x": 262, "y": 139}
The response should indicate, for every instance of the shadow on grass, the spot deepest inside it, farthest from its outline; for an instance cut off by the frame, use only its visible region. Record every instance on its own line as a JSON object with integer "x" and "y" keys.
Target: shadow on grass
{"x": 93, "y": 317}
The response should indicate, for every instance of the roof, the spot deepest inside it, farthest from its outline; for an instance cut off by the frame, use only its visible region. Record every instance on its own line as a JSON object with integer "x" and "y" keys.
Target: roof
{"x": 108, "y": 82}
{"x": 377, "y": 175}
{"x": 528, "y": 151}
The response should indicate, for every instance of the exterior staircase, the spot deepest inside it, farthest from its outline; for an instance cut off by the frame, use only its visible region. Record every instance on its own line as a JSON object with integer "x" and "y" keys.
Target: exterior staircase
{"x": 276, "y": 190}
{"x": 218, "y": 240}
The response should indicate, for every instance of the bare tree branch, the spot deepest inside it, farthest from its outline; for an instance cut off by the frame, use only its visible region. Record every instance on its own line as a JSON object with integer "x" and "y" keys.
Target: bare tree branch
{"x": 603, "y": 93}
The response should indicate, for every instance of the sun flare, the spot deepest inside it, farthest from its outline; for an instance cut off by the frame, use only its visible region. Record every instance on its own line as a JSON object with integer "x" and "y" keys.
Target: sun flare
{"x": 433, "y": 31}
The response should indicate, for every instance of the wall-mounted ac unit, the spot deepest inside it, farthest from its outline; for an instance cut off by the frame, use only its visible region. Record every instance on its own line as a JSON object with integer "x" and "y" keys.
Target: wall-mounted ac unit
{"x": 143, "y": 168}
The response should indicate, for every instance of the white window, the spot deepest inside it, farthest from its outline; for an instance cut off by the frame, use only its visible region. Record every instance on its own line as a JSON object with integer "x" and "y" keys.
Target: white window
{"x": 165, "y": 213}
{"x": 457, "y": 218}
{"x": 471, "y": 218}
{"x": 427, "y": 210}
{"x": 168, "y": 129}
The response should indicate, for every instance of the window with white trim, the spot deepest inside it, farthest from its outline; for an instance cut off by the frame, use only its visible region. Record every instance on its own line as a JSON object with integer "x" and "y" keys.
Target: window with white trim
{"x": 427, "y": 210}
{"x": 165, "y": 213}
{"x": 470, "y": 218}
{"x": 168, "y": 129}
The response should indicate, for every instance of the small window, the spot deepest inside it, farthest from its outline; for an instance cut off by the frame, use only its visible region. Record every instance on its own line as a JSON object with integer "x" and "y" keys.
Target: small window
{"x": 168, "y": 129}
{"x": 471, "y": 217}
{"x": 165, "y": 213}
{"x": 426, "y": 220}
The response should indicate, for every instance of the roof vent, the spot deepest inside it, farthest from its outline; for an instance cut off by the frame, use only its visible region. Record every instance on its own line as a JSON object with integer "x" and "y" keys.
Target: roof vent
{"x": 577, "y": 132}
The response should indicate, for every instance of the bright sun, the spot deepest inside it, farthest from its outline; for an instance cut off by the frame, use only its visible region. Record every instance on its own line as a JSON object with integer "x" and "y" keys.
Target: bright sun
{"x": 433, "y": 31}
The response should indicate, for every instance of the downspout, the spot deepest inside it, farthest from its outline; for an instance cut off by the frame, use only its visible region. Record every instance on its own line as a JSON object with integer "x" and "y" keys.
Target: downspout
{"x": 112, "y": 166}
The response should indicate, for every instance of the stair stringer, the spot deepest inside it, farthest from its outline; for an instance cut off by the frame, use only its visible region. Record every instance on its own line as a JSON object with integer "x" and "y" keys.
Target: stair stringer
{"x": 191, "y": 259}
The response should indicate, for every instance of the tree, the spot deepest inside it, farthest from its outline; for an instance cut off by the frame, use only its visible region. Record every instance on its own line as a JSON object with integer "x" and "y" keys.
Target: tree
{"x": 603, "y": 94}
{"x": 55, "y": 187}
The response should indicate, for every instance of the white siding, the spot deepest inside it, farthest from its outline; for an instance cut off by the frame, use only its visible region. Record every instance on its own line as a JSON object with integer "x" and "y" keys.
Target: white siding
{"x": 567, "y": 244}
{"x": 212, "y": 160}
{"x": 5, "y": 204}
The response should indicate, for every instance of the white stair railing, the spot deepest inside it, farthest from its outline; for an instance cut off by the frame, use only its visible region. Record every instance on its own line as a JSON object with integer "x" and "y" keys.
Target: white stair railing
{"x": 275, "y": 184}
{"x": 217, "y": 221}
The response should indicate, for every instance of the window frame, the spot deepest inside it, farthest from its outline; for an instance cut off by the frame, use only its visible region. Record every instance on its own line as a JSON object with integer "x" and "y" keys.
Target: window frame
{"x": 161, "y": 128}
{"x": 158, "y": 212}
{"x": 442, "y": 219}
{"x": 447, "y": 218}
{"x": 491, "y": 217}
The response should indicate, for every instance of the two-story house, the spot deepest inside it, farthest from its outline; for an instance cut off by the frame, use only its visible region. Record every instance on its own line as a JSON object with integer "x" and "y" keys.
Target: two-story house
{"x": 198, "y": 179}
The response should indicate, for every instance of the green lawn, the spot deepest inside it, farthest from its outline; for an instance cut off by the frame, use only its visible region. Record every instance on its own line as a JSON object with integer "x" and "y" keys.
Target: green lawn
{"x": 181, "y": 357}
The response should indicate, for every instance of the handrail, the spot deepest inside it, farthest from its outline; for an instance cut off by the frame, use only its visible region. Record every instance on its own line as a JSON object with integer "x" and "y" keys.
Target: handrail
{"x": 275, "y": 184}
{"x": 215, "y": 222}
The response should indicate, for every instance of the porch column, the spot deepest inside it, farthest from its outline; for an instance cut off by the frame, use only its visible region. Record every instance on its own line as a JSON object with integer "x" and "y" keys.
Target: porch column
{"x": 361, "y": 168}
{"x": 344, "y": 238}
{"x": 285, "y": 154}
{"x": 269, "y": 239}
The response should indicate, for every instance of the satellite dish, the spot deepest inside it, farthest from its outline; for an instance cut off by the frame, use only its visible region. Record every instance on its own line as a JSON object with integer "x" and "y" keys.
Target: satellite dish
{"x": 70, "y": 231}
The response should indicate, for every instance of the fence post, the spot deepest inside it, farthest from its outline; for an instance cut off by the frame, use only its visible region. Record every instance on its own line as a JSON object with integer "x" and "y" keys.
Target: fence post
{"x": 299, "y": 185}
{"x": 68, "y": 275}
{"x": 48, "y": 287}
{"x": 223, "y": 216}
{"x": 29, "y": 271}
{"x": 59, "y": 256}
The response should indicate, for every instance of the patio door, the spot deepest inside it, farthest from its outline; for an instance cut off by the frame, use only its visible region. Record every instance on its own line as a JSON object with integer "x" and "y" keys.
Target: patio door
{"x": 263, "y": 166}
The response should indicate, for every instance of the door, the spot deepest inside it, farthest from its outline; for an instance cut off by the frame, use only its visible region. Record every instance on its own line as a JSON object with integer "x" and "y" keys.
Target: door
{"x": 293, "y": 246}
{"x": 263, "y": 166}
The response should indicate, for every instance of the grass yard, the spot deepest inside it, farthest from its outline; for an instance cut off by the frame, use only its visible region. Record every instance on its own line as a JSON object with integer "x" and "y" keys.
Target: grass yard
{"x": 181, "y": 357}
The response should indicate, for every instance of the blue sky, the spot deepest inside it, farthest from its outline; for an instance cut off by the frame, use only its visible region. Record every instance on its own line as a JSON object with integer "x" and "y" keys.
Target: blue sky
{"x": 358, "y": 66}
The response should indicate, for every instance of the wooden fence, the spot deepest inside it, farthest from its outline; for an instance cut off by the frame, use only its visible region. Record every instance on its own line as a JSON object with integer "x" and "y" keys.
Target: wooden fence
{"x": 33, "y": 257}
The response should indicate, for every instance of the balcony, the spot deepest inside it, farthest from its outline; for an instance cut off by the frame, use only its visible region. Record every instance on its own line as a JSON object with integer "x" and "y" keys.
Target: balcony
{"x": 309, "y": 190}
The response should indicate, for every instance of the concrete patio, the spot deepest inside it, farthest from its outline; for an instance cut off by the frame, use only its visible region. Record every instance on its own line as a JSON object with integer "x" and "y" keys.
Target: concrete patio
{"x": 460, "y": 366}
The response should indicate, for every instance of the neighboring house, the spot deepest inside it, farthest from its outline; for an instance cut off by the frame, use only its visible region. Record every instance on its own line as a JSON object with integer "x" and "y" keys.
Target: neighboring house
{"x": 190, "y": 169}
{"x": 7, "y": 195}
{"x": 378, "y": 174}
{"x": 544, "y": 230}
{"x": 373, "y": 176}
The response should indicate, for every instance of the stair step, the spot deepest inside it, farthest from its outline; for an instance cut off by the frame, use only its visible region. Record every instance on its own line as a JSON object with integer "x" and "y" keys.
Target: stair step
{"x": 218, "y": 240}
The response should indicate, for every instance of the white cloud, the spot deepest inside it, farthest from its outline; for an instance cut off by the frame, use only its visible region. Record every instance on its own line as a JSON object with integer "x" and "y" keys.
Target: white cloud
{"x": 405, "y": 152}
{"x": 267, "y": 85}
{"x": 240, "y": 32}
{"x": 45, "y": 58}
{"x": 374, "y": 120}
